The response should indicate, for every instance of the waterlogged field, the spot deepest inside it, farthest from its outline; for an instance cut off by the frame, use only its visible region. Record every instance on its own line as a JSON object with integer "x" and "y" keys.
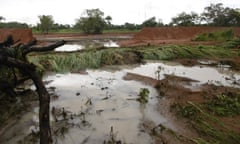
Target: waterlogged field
{"x": 99, "y": 106}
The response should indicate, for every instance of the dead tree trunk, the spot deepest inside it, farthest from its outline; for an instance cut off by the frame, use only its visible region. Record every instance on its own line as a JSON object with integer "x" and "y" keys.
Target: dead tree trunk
{"x": 44, "y": 101}
{"x": 30, "y": 70}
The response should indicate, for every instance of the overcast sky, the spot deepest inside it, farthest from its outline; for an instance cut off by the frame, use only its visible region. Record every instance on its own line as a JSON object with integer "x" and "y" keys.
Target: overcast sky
{"x": 133, "y": 11}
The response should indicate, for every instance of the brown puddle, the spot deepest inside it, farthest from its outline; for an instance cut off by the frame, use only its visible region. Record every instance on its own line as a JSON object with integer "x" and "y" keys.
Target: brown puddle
{"x": 99, "y": 101}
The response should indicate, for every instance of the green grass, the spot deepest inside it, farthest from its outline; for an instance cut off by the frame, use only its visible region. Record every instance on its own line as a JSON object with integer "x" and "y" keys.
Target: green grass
{"x": 223, "y": 105}
{"x": 215, "y": 36}
{"x": 234, "y": 43}
{"x": 92, "y": 58}
{"x": 204, "y": 118}
{"x": 95, "y": 58}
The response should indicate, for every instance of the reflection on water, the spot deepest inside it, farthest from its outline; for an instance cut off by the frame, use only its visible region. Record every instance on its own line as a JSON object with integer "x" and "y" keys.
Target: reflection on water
{"x": 111, "y": 44}
{"x": 106, "y": 100}
{"x": 87, "y": 44}
{"x": 111, "y": 106}
{"x": 69, "y": 47}
{"x": 218, "y": 76}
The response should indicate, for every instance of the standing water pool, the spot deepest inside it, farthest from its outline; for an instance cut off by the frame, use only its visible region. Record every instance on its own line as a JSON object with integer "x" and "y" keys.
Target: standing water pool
{"x": 100, "y": 105}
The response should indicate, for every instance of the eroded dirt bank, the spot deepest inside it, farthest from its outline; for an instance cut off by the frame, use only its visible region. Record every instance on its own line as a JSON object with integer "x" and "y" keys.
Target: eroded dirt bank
{"x": 173, "y": 35}
{"x": 18, "y": 35}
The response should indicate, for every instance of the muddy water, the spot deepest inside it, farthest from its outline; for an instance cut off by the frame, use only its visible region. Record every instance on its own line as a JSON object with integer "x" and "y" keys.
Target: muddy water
{"x": 69, "y": 47}
{"x": 203, "y": 74}
{"x": 101, "y": 99}
{"x": 113, "y": 105}
{"x": 87, "y": 44}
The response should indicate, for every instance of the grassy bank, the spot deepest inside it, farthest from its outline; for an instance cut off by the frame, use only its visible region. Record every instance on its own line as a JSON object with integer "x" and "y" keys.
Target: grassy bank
{"x": 206, "y": 117}
{"x": 215, "y": 36}
{"x": 95, "y": 58}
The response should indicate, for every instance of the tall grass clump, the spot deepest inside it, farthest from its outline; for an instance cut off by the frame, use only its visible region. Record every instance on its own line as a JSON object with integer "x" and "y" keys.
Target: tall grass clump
{"x": 215, "y": 36}
{"x": 234, "y": 43}
{"x": 65, "y": 62}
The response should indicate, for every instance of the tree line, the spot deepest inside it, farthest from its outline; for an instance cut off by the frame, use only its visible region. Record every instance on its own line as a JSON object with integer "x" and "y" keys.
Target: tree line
{"x": 93, "y": 21}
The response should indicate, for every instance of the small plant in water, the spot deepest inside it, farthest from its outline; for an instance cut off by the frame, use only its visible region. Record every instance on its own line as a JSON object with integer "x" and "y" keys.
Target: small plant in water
{"x": 112, "y": 139}
{"x": 158, "y": 72}
{"x": 143, "y": 95}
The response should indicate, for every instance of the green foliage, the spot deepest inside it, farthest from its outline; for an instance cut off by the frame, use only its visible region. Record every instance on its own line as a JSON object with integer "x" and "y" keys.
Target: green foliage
{"x": 184, "y": 19}
{"x": 13, "y": 25}
{"x": 234, "y": 43}
{"x": 143, "y": 95}
{"x": 217, "y": 15}
{"x": 215, "y": 36}
{"x": 209, "y": 127}
{"x": 2, "y": 18}
{"x": 223, "y": 105}
{"x": 92, "y": 23}
{"x": 67, "y": 62}
{"x": 46, "y": 23}
{"x": 64, "y": 62}
{"x": 188, "y": 111}
{"x": 151, "y": 22}
{"x": 94, "y": 58}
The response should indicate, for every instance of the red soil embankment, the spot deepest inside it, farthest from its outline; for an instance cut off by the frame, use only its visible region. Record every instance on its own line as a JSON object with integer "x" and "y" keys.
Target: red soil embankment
{"x": 23, "y": 36}
{"x": 164, "y": 33}
{"x": 172, "y": 35}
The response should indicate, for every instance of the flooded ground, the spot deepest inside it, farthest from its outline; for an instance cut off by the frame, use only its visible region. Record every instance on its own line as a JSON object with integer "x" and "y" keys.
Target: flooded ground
{"x": 87, "y": 44}
{"x": 220, "y": 75}
{"x": 101, "y": 106}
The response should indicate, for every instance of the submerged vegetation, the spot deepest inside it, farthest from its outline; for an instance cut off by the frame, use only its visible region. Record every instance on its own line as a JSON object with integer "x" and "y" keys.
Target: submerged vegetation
{"x": 143, "y": 95}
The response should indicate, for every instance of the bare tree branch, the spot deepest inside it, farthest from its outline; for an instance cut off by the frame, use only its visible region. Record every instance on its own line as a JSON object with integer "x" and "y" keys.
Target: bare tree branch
{"x": 8, "y": 61}
{"x": 44, "y": 48}
{"x": 44, "y": 97}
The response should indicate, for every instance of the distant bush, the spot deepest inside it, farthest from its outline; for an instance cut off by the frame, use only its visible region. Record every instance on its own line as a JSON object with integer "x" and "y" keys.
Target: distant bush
{"x": 215, "y": 36}
{"x": 13, "y": 25}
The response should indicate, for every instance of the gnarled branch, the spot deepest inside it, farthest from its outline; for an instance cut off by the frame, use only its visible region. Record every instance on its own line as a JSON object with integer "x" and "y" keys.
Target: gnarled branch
{"x": 44, "y": 48}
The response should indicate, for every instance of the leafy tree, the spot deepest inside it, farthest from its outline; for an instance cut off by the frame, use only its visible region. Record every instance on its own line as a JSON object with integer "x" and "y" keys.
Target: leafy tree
{"x": 151, "y": 22}
{"x": 184, "y": 19}
{"x": 216, "y": 15}
{"x": 160, "y": 23}
{"x": 108, "y": 19}
{"x": 130, "y": 26}
{"x": 2, "y": 18}
{"x": 92, "y": 23}
{"x": 46, "y": 23}
{"x": 233, "y": 18}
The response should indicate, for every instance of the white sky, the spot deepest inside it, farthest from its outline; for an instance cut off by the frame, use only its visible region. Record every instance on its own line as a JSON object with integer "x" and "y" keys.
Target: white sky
{"x": 133, "y": 11}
